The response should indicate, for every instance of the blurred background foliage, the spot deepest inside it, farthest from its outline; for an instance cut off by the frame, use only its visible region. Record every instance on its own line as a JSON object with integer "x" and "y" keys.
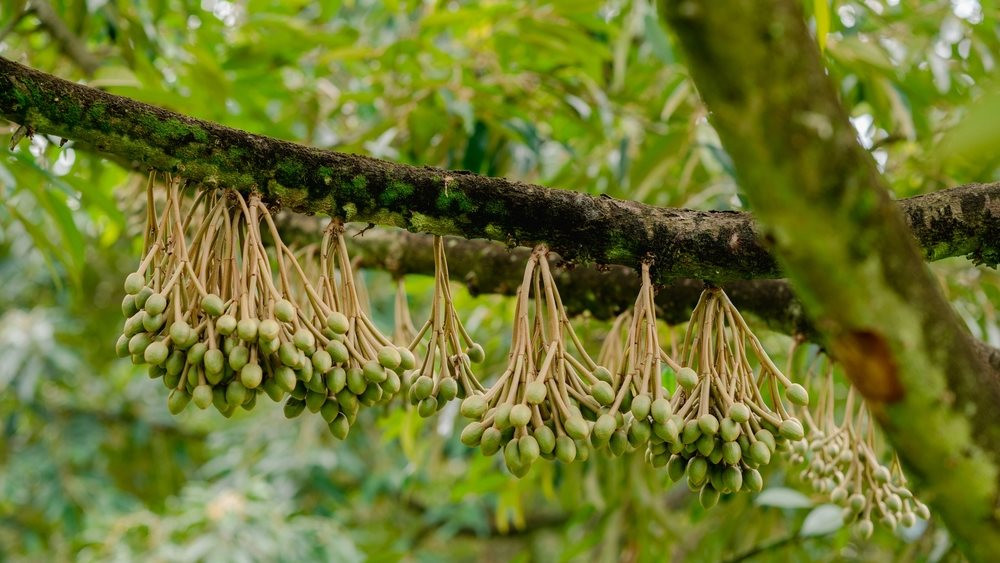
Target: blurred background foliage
{"x": 579, "y": 94}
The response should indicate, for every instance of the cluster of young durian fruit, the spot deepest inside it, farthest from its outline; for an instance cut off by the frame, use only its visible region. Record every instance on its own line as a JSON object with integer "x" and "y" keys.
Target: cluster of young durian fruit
{"x": 222, "y": 311}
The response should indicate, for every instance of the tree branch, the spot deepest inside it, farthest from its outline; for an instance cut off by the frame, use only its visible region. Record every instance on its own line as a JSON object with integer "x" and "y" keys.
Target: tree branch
{"x": 848, "y": 252}
{"x": 709, "y": 245}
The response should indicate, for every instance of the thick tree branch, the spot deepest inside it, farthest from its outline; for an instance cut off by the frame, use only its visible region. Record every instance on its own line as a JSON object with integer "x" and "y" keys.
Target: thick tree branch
{"x": 847, "y": 251}
{"x": 716, "y": 246}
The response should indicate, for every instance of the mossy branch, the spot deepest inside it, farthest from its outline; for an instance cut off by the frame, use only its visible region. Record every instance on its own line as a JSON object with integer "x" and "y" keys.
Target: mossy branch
{"x": 716, "y": 246}
{"x": 848, "y": 252}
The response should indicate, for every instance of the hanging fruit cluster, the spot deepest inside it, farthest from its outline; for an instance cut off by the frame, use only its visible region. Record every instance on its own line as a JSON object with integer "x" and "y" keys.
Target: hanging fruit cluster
{"x": 727, "y": 421}
{"x": 547, "y": 402}
{"x": 446, "y": 370}
{"x": 222, "y": 319}
{"x": 842, "y": 462}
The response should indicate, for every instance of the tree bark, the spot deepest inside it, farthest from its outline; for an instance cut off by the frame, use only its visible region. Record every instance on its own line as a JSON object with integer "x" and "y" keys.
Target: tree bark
{"x": 707, "y": 245}
{"x": 848, "y": 252}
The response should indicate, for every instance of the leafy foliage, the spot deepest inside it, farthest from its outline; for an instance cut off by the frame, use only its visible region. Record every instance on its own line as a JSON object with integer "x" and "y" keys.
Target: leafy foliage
{"x": 589, "y": 95}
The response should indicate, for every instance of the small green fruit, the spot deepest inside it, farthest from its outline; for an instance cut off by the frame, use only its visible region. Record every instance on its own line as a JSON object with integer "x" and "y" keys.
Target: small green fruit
{"x": 472, "y": 434}
{"x": 246, "y": 329}
{"x": 156, "y": 353}
{"x": 226, "y": 325}
{"x": 534, "y": 392}
{"x": 474, "y": 406}
{"x": 340, "y": 427}
{"x": 490, "y": 442}
{"x": 177, "y": 401}
{"x": 134, "y": 282}
{"x": 338, "y": 322}
{"x": 202, "y": 396}
{"x": 212, "y": 305}
{"x": 520, "y": 415}
{"x": 603, "y": 392}
{"x": 565, "y": 449}
{"x": 251, "y": 375}
{"x": 641, "y": 405}
{"x": 476, "y": 353}
{"x": 155, "y": 304}
{"x": 797, "y": 394}
{"x": 687, "y": 378}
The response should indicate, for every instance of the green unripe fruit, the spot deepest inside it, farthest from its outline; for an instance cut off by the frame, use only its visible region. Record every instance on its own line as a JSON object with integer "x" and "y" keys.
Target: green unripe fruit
{"x": 639, "y": 432}
{"x": 388, "y": 357}
{"x": 133, "y": 325}
{"x": 759, "y": 453}
{"x": 577, "y": 428}
{"x": 708, "y": 424}
{"x": 128, "y": 306}
{"x": 520, "y": 415}
{"x": 732, "y": 479}
{"x": 501, "y": 416}
{"x": 336, "y": 379}
{"x": 476, "y": 353}
{"x": 406, "y": 359}
{"x": 288, "y": 355}
{"x": 604, "y": 427}
{"x": 528, "y": 448}
{"x": 373, "y": 394}
{"x": 687, "y": 378}
{"x": 284, "y": 311}
{"x": 304, "y": 340}
{"x": 155, "y": 304}
{"x": 791, "y": 429}
{"x": 238, "y": 357}
{"x": 215, "y": 362}
{"x": 739, "y": 412}
{"x": 329, "y": 411}
{"x": 142, "y": 296}
{"x": 177, "y": 401}
{"x": 152, "y": 323}
{"x": 512, "y": 456}
{"x": 857, "y": 502}
{"x": 268, "y": 330}
{"x": 273, "y": 390}
{"x": 447, "y": 390}
{"x": 490, "y": 441}
{"x": 618, "y": 442}
{"x": 908, "y": 519}
{"x": 182, "y": 335}
{"x": 156, "y": 353}
{"x": 752, "y": 481}
{"x": 427, "y": 407}
{"x": 305, "y": 371}
{"x": 226, "y": 324}
{"x": 348, "y": 401}
{"x": 565, "y": 449}
{"x": 881, "y": 474}
{"x": 474, "y": 406}
{"x": 667, "y": 431}
{"x": 134, "y": 282}
{"x": 170, "y": 381}
{"x": 374, "y": 372}
{"x": 246, "y": 329}
{"x": 472, "y": 434}
{"x": 691, "y": 432}
{"x": 121, "y": 346}
{"x": 697, "y": 470}
{"x": 315, "y": 400}
{"x": 797, "y": 394}
{"x": 603, "y": 392}
{"x": 356, "y": 382}
{"x": 602, "y": 374}
{"x": 236, "y": 393}
{"x": 340, "y": 427}
{"x": 175, "y": 362}
{"x": 729, "y": 430}
{"x": 202, "y": 396}
{"x": 212, "y": 305}
{"x": 338, "y": 352}
{"x": 864, "y": 529}
{"x": 251, "y": 375}
{"x": 676, "y": 467}
{"x": 338, "y": 323}
{"x": 321, "y": 361}
{"x": 641, "y": 406}
{"x": 660, "y": 410}
{"x": 534, "y": 392}
{"x": 582, "y": 450}
{"x": 765, "y": 436}
{"x": 315, "y": 383}
{"x": 708, "y": 497}
{"x": 731, "y": 453}
{"x": 706, "y": 445}
{"x": 155, "y": 372}
{"x": 546, "y": 439}
{"x": 423, "y": 387}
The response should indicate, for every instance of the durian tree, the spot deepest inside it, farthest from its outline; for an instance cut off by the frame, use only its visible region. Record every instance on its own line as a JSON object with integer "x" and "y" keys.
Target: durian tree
{"x": 596, "y": 280}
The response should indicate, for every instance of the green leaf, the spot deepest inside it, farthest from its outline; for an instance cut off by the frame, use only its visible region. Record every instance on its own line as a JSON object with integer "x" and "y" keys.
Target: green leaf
{"x": 822, "y": 520}
{"x": 783, "y": 497}
{"x": 821, "y": 11}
